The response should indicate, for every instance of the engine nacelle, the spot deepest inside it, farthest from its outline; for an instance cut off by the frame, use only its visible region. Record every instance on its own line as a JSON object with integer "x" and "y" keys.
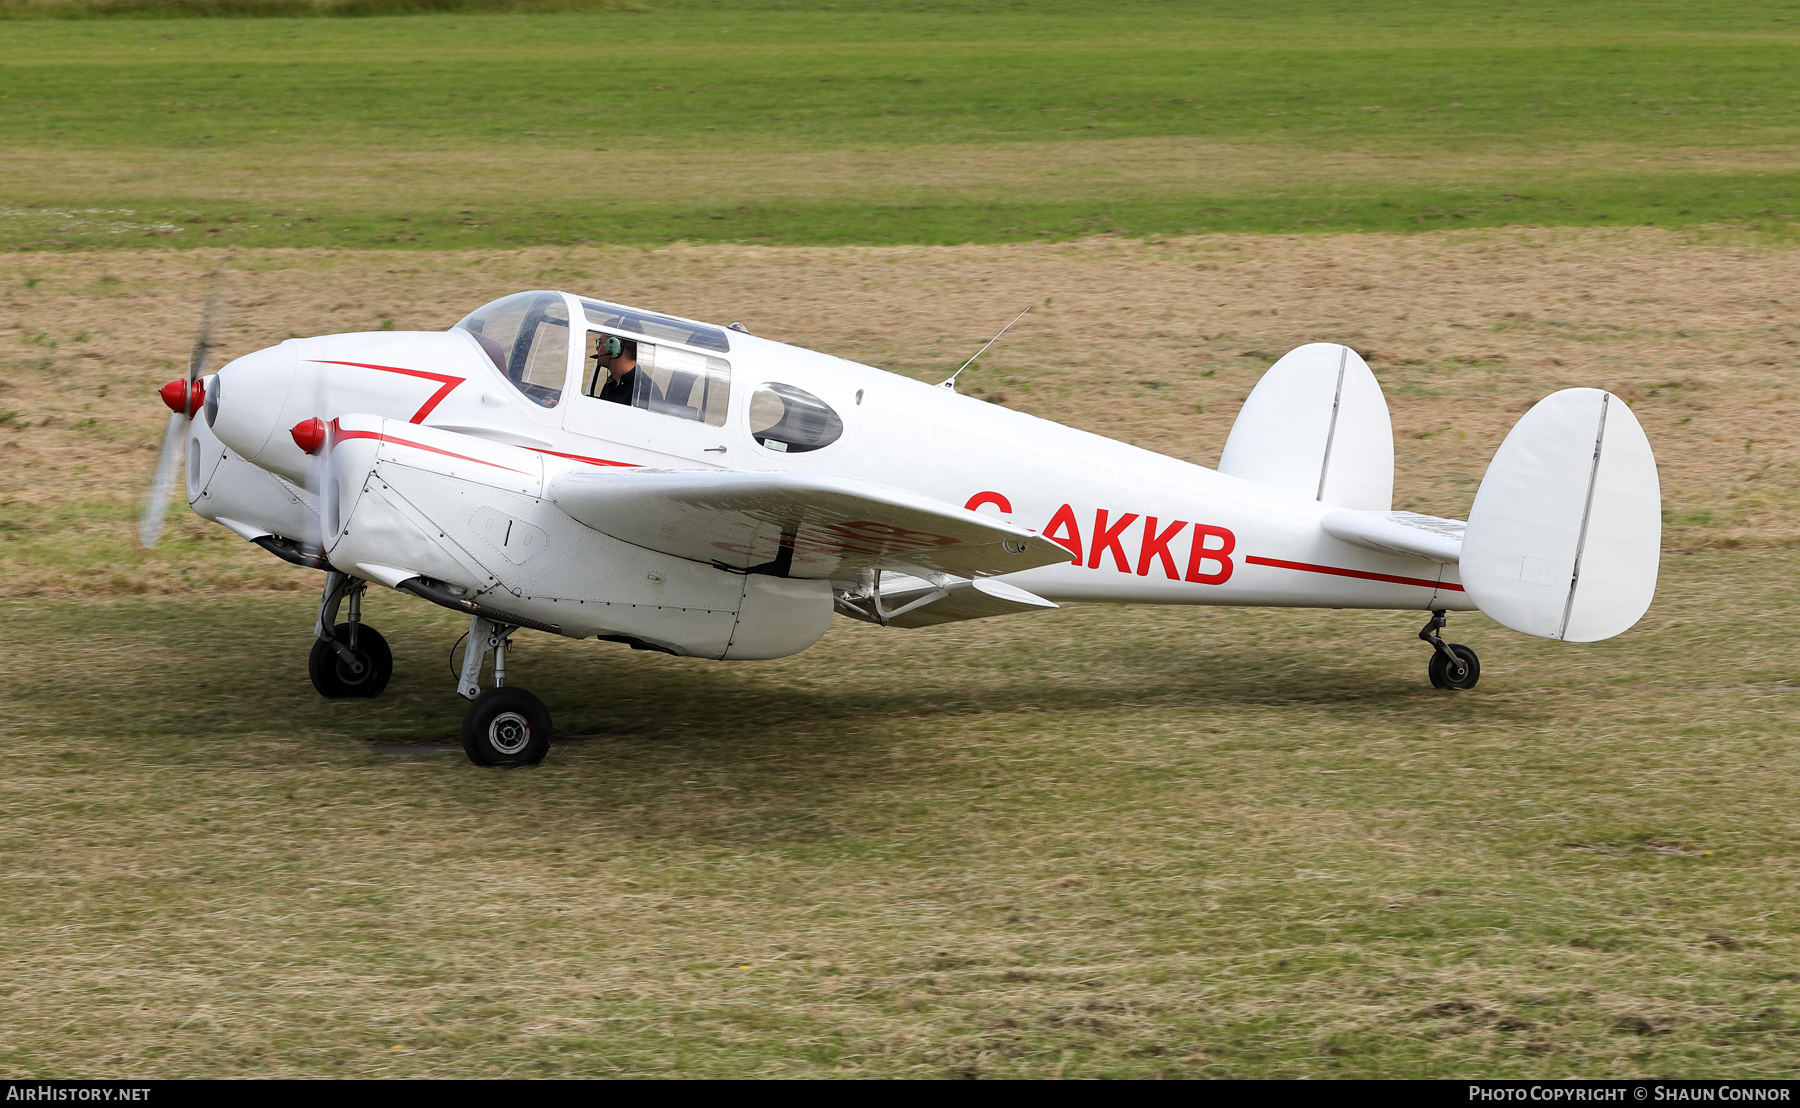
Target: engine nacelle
{"x": 398, "y": 498}
{"x": 223, "y": 487}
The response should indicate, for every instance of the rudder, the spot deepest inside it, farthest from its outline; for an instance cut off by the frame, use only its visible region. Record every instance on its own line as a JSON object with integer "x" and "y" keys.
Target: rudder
{"x": 1565, "y": 537}
{"x": 1317, "y": 425}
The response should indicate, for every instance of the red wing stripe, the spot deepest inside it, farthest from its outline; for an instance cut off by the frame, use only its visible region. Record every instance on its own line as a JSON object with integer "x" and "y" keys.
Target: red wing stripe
{"x": 583, "y": 458}
{"x": 448, "y": 382}
{"x": 341, "y": 435}
{"x": 1364, "y": 575}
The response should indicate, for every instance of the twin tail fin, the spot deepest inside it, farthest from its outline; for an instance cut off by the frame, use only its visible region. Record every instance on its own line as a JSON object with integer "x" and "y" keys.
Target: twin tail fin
{"x": 1565, "y": 536}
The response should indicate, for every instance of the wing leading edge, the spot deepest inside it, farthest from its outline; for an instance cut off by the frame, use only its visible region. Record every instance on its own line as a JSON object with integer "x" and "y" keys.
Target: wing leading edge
{"x": 797, "y": 524}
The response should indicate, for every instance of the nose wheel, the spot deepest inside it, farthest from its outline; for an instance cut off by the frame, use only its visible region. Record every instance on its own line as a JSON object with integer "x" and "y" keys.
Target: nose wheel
{"x": 364, "y": 673}
{"x": 350, "y": 659}
{"x": 1453, "y": 666}
{"x": 504, "y": 726}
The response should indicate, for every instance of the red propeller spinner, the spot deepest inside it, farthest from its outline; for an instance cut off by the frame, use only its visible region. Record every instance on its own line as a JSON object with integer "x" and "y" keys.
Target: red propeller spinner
{"x": 183, "y": 398}
{"x": 309, "y": 435}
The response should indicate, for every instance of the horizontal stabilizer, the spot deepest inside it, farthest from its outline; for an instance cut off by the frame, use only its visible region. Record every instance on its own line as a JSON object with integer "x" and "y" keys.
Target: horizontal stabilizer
{"x": 1421, "y": 536}
{"x": 1565, "y": 536}
{"x": 796, "y": 524}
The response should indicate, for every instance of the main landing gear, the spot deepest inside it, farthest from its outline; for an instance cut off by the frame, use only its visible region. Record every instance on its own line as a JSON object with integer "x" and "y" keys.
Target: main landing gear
{"x": 1453, "y": 665}
{"x": 503, "y": 726}
{"x": 348, "y": 659}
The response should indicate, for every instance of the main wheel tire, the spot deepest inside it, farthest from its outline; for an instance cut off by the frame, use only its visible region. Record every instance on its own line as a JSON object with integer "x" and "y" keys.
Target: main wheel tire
{"x": 334, "y": 679}
{"x": 1443, "y": 677}
{"x": 506, "y": 727}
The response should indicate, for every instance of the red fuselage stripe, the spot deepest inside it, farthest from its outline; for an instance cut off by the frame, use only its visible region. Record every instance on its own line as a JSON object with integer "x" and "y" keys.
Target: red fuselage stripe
{"x": 448, "y": 382}
{"x": 1364, "y": 575}
{"x": 341, "y": 435}
{"x": 582, "y": 458}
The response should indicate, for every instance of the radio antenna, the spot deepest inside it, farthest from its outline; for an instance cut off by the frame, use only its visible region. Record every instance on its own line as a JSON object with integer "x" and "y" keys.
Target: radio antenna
{"x": 950, "y": 382}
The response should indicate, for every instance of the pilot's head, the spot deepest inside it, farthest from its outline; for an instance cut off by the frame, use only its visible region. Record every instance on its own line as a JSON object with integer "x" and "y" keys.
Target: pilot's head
{"x": 619, "y": 356}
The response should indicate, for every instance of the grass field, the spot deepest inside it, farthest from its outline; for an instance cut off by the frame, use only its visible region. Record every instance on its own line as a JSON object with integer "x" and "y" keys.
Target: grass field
{"x": 1113, "y": 843}
{"x": 1095, "y": 842}
{"x": 288, "y": 9}
{"x": 1104, "y": 841}
{"x": 895, "y": 123}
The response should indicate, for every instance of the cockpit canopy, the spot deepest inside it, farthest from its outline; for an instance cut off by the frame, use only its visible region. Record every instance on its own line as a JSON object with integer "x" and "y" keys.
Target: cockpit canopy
{"x": 612, "y": 317}
{"x": 528, "y": 337}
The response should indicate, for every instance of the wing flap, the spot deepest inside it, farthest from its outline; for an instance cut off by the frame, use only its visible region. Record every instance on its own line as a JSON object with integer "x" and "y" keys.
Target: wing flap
{"x": 796, "y": 524}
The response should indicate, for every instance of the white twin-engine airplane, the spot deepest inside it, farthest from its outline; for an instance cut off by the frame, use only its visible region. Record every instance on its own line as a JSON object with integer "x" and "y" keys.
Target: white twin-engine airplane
{"x": 587, "y": 469}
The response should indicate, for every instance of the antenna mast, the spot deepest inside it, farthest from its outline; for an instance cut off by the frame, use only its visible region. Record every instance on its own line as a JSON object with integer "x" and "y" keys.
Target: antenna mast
{"x": 950, "y": 382}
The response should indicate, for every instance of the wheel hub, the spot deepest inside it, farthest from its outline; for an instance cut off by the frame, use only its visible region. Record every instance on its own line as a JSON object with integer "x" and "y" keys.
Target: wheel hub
{"x": 354, "y": 676}
{"x": 509, "y": 732}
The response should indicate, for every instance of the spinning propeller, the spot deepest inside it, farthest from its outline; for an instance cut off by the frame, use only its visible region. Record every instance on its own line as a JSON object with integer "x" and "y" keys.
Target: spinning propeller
{"x": 184, "y": 399}
{"x": 314, "y": 437}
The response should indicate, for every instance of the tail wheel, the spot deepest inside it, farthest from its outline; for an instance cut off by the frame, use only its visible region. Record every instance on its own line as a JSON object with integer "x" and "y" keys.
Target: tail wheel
{"x": 506, "y": 727}
{"x": 335, "y": 679}
{"x": 1443, "y": 676}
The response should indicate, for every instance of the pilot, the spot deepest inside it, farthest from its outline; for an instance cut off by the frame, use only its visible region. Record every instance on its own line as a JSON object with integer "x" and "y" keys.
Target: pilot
{"x": 624, "y": 384}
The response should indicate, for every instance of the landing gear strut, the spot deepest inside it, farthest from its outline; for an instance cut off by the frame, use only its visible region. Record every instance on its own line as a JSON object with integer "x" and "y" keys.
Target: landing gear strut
{"x": 1453, "y": 665}
{"x": 348, "y": 659}
{"x": 503, "y": 726}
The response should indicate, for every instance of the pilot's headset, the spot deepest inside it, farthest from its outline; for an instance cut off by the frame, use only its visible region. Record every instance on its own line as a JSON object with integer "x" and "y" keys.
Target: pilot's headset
{"x": 609, "y": 347}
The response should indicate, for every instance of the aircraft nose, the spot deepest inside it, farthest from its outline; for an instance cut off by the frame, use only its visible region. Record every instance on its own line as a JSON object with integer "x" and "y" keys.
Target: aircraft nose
{"x": 246, "y": 398}
{"x": 182, "y": 398}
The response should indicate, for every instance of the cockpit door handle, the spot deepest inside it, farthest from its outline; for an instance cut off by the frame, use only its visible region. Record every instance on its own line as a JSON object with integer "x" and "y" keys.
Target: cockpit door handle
{"x": 714, "y": 450}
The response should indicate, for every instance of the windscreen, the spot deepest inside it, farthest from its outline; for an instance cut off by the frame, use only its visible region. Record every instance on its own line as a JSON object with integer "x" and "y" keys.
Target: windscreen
{"x": 527, "y": 337}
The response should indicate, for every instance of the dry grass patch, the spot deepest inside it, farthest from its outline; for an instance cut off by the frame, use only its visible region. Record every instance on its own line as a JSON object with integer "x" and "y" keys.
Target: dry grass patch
{"x": 1154, "y": 343}
{"x": 591, "y": 174}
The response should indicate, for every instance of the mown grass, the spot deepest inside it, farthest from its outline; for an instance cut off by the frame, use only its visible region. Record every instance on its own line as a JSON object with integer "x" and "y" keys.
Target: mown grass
{"x": 480, "y": 130}
{"x": 1108, "y": 842}
{"x": 285, "y": 9}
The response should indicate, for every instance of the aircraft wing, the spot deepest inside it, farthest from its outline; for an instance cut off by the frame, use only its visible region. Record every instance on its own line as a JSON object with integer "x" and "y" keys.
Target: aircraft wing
{"x": 796, "y": 524}
{"x": 1422, "y": 536}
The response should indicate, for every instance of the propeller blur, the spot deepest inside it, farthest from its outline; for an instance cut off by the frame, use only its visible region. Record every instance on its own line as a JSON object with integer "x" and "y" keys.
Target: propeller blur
{"x": 183, "y": 399}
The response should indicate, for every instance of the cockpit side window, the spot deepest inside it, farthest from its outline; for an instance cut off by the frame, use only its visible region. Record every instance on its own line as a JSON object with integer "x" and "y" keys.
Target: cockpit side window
{"x": 527, "y": 336}
{"x": 658, "y": 378}
{"x": 790, "y": 420}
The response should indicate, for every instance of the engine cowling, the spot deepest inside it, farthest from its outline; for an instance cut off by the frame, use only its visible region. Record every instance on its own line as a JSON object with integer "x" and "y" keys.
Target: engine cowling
{"x": 255, "y": 401}
{"x": 470, "y": 513}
